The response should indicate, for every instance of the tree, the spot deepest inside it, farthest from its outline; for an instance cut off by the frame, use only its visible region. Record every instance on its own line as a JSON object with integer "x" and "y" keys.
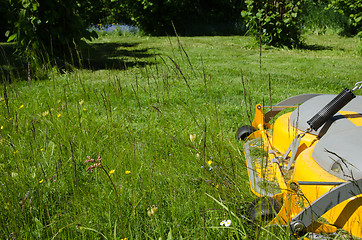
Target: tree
{"x": 4, "y": 16}
{"x": 350, "y": 8}
{"x": 47, "y": 30}
{"x": 156, "y": 16}
{"x": 94, "y": 12}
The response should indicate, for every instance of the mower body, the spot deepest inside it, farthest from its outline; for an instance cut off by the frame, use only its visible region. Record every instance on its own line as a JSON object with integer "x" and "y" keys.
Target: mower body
{"x": 316, "y": 175}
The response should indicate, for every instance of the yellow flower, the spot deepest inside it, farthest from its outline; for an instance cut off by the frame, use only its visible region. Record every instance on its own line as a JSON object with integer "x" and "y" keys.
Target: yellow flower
{"x": 2, "y": 127}
{"x": 209, "y": 162}
{"x": 21, "y": 106}
{"x": 2, "y": 99}
{"x": 41, "y": 149}
{"x": 15, "y": 152}
{"x": 127, "y": 172}
{"x": 112, "y": 171}
{"x": 59, "y": 115}
{"x": 42, "y": 180}
{"x": 84, "y": 109}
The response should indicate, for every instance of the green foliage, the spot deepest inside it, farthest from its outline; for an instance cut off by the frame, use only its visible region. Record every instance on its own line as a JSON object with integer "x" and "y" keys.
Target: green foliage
{"x": 4, "y": 16}
{"x": 350, "y": 8}
{"x": 319, "y": 19}
{"x": 188, "y": 16}
{"x": 276, "y": 22}
{"x": 47, "y": 31}
{"x": 95, "y": 12}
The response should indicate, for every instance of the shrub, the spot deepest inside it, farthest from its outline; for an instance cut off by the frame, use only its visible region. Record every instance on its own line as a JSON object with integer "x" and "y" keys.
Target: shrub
{"x": 276, "y": 22}
{"x": 47, "y": 30}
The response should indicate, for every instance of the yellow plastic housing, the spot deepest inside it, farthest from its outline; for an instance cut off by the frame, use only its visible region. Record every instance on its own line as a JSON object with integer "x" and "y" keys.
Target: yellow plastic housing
{"x": 277, "y": 140}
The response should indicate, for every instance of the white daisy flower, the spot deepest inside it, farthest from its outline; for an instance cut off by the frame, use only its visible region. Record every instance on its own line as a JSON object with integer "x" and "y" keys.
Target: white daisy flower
{"x": 228, "y": 223}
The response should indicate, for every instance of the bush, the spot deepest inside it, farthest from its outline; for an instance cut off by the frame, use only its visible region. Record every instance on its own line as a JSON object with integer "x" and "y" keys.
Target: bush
{"x": 276, "y": 22}
{"x": 47, "y": 30}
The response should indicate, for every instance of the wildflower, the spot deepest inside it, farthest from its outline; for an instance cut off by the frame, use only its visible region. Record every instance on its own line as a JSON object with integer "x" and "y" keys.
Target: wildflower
{"x": 84, "y": 109}
{"x": 15, "y": 152}
{"x": 127, "y": 172}
{"x": 112, "y": 171}
{"x": 59, "y": 115}
{"x": 2, "y": 99}
{"x": 41, "y": 149}
{"x": 46, "y": 113}
{"x": 21, "y": 106}
{"x": 209, "y": 162}
{"x": 192, "y": 137}
{"x": 42, "y": 180}
{"x": 81, "y": 102}
{"x": 2, "y": 127}
{"x": 97, "y": 163}
{"x": 151, "y": 210}
{"x": 225, "y": 223}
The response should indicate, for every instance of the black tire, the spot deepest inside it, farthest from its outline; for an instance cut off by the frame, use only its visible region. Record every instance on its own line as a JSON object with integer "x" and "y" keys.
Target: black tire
{"x": 243, "y": 132}
{"x": 263, "y": 209}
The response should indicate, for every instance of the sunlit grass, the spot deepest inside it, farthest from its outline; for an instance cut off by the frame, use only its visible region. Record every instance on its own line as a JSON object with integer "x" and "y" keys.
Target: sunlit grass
{"x": 162, "y": 112}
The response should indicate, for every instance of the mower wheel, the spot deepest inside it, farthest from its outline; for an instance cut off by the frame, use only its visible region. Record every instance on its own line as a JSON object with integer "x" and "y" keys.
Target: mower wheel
{"x": 243, "y": 132}
{"x": 263, "y": 209}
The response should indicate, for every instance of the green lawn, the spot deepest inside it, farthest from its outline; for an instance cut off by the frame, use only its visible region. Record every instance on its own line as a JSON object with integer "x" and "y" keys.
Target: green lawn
{"x": 137, "y": 100}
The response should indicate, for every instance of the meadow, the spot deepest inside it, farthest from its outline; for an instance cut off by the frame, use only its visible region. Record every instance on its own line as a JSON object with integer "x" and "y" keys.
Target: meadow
{"x": 137, "y": 142}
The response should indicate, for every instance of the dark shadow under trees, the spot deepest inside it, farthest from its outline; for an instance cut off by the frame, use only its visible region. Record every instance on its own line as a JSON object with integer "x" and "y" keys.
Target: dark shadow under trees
{"x": 92, "y": 56}
{"x": 119, "y": 56}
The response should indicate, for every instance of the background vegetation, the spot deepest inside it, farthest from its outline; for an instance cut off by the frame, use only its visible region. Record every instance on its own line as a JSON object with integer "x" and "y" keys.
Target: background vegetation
{"x": 48, "y": 31}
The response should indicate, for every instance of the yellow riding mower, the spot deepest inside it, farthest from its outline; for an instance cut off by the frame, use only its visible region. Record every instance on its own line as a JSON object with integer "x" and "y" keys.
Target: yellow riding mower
{"x": 306, "y": 168}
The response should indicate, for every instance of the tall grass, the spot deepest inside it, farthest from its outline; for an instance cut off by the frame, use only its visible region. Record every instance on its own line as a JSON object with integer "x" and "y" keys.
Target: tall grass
{"x": 163, "y": 122}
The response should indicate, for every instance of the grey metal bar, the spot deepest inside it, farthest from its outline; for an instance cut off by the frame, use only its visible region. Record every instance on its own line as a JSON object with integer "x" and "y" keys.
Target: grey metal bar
{"x": 324, "y": 203}
{"x": 319, "y": 183}
{"x": 292, "y": 101}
